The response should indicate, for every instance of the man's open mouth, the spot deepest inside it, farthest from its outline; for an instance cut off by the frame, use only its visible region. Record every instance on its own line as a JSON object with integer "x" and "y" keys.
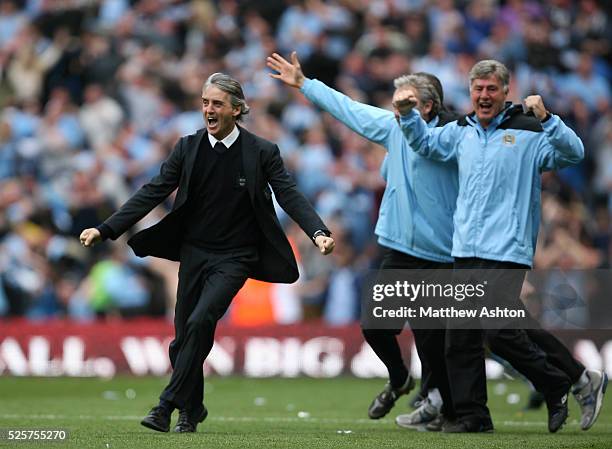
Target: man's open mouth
{"x": 212, "y": 121}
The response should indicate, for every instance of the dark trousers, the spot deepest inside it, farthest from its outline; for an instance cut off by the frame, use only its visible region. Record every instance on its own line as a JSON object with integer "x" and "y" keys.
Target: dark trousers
{"x": 465, "y": 348}
{"x": 557, "y": 353}
{"x": 429, "y": 342}
{"x": 207, "y": 284}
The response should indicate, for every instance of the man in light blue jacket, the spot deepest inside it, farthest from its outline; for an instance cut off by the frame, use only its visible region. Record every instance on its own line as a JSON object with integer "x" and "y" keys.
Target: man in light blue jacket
{"x": 414, "y": 223}
{"x": 500, "y": 152}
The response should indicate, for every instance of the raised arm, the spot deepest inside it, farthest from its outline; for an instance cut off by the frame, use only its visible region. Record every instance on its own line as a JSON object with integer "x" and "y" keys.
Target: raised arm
{"x": 368, "y": 121}
{"x": 433, "y": 143}
{"x": 560, "y": 146}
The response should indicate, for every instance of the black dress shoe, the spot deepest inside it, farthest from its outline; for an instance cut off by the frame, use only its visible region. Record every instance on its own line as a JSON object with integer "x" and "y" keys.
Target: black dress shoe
{"x": 187, "y": 423}
{"x": 157, "y": 419}
{"x": 557, "y": 412}
{"x": 467, "y": 425}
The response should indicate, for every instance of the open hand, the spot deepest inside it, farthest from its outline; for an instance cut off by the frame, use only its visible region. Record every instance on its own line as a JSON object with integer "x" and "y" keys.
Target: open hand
{"x": 288, "y": 72}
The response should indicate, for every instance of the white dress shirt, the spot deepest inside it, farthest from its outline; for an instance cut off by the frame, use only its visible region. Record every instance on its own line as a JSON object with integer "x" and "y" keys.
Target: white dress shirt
{"x": 229, "y": 139}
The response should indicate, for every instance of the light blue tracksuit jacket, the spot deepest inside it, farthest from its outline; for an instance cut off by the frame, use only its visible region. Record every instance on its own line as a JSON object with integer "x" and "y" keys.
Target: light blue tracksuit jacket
{"x": 498, "y": 207}
{"x": 416, "y": 212}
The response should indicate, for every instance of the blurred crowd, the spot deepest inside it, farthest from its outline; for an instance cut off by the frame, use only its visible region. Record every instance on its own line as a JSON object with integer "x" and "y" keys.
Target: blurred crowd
{"x": 94, "y": 94}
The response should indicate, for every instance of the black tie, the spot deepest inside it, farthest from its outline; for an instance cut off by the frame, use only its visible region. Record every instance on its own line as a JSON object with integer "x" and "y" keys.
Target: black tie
{"x": 219, "y": 147}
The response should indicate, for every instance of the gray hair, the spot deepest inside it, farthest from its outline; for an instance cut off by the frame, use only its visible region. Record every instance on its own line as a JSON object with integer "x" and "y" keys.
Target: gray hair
{"x": 435, "y": 82}
{"x": 424, "y": 89}
{"x": 232, "y": 87}
{"x": 489, "y": 67}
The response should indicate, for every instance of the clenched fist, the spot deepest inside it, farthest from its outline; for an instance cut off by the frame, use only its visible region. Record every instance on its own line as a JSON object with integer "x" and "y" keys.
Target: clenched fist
{"x": 89, "y": 237}
{"x": 535, "y": 104}
{"x": 403, "y": 102}
{"x": 326, "y": 244}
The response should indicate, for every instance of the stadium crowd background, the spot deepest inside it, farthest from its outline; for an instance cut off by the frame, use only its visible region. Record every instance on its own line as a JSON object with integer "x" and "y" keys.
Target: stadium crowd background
{"x": 95, "y": 93}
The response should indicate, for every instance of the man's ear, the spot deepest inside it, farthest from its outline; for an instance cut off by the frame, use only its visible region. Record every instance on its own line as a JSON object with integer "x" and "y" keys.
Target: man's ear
{"x": 236, "y": 112}
{"x": 427, "y": 107}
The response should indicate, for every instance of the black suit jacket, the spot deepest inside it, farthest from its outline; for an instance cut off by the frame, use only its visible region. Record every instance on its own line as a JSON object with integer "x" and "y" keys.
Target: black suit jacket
{"x": 263, "y": 167}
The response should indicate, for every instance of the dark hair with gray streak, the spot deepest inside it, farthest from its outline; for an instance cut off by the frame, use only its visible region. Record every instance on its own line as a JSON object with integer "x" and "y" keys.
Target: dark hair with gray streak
{"x": 488, "y": 67}
{"x": 232, "y": 87}
{"x": 425, "y": 91}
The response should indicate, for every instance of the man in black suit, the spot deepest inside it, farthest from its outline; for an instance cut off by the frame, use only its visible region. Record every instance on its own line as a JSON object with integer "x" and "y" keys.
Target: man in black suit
{"x": 222, "y": 229}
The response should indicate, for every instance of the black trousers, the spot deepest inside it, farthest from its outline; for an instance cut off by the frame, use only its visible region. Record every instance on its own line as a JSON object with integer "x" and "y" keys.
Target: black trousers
{"x": 465, "y": 347}
{"x": 557, "y": 353}
{"x": 429, "y": 342}
{"x": 207, "y": 284}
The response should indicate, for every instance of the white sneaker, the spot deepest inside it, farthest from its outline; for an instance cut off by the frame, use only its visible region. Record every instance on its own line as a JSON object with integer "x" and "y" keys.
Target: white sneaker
{"x": 590, "y": 397}
{"x": 419, "y": 418}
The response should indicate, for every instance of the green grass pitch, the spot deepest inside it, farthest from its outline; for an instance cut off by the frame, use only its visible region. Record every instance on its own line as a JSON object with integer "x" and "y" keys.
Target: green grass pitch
{"x": 268, "y": 413}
